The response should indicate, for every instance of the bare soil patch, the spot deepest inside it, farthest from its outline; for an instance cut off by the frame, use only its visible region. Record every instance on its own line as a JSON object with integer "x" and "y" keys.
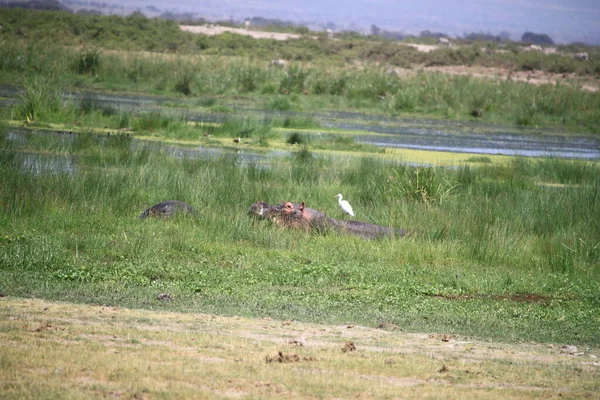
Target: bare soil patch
{"x": 86, "y": 351}
{"x": 217, "y": 30}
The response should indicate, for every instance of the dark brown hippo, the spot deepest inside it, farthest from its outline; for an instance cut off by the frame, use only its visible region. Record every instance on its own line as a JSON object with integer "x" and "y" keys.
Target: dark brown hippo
{"x": 299, "y": 216}
{"x": 168, "y": 209}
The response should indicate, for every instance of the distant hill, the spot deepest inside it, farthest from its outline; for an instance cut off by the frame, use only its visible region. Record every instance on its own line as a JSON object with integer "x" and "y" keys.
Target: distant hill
{"x": 51, "y": 5}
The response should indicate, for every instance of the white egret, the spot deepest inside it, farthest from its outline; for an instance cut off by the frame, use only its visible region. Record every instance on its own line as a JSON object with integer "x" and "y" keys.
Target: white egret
{"x": 346, "y": 207}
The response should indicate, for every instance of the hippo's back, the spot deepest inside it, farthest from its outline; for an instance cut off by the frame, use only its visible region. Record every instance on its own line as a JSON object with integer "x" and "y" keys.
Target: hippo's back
{"x": 168, "y": 209}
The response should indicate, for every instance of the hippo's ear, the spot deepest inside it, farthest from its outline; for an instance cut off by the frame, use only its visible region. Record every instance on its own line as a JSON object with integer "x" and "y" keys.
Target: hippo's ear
{"x": 302, "y": 207}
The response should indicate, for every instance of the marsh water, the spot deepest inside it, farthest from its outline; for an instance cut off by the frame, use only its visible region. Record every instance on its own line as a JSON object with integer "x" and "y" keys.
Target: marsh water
{"x": 379, "y": 130}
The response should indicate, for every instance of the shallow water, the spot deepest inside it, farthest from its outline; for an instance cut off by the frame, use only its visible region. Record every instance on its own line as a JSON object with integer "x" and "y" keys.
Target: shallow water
{"x": 503, "y": 144}
{"x": 35, "y": 163}
{"x": 242, "y": 157}
{"x": 383, "y": 131}
{"x": 38, "y": 162}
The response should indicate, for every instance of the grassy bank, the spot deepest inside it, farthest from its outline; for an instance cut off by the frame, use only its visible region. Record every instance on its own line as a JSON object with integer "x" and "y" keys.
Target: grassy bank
{"x": 212, "y": 82}
{"x": 506, "y": 251}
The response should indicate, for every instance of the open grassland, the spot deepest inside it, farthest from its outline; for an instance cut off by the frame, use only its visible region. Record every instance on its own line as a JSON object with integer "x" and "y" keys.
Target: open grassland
{"x": 507, "y": 251}
{"x": 62, "y": 350}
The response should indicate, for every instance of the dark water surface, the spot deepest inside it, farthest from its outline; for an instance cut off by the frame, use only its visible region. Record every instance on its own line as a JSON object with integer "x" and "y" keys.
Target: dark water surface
{"x": 36, "y": 162}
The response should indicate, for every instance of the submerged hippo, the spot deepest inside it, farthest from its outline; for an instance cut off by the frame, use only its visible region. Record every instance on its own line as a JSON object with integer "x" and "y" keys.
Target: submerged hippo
{"x": 168, "y": 209}
{"x": 298, "y": 216}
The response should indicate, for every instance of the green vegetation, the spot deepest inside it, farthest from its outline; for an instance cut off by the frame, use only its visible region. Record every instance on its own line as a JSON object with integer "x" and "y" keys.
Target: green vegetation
{"x": 31, "y": 48}
{"x": 366, "y": 90}
{"x": 497, "y": 250}
{"x": 137, "y": 33}
{"x": 501, "y": 251}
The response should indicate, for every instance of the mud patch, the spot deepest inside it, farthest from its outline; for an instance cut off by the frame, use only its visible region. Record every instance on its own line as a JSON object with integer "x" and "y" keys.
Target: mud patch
{"x": 517, "y": 298}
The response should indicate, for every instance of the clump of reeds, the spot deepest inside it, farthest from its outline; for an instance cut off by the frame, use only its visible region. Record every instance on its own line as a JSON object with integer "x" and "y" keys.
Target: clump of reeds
{"x": 40, "y": 95}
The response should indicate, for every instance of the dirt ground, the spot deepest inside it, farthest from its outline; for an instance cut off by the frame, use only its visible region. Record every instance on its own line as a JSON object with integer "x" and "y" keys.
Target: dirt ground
{"x": 217, "y": 30}
{"x": 70, "y": 350}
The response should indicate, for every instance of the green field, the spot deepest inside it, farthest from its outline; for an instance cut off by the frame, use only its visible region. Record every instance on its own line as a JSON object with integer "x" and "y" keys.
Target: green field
{"x": 502, "y": 248}
{"x": 103, "y": 117}
{"x": 507, "y": 250}
{"x": 152, "y": 56}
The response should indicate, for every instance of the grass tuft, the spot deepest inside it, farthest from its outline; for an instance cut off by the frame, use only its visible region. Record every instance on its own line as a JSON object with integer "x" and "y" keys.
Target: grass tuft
{"x": 87, "y": 61}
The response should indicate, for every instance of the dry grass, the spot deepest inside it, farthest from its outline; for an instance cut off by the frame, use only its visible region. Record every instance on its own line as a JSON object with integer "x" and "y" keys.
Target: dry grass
{"x": 65, "y": 350}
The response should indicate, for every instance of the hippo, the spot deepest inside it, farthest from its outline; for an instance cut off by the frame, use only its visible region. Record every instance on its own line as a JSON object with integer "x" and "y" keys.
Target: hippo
{"x": 168, "y": 209}
{"x": 298, "y": 216}
{"x": 285, "y": 214}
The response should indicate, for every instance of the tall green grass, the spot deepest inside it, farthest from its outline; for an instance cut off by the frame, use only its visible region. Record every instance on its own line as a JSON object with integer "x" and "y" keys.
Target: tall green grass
{"x": 87, "y": 61}
{"x": 40, "y": 97}
{"x": 495, "y": 237}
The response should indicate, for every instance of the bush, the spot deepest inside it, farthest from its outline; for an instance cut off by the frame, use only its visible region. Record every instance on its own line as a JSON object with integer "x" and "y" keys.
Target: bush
{"x": 461, "y": 56}
{"x": 295, "y": 138}
{"x": 562, "y": 65}
{"x": 531, "y": 64}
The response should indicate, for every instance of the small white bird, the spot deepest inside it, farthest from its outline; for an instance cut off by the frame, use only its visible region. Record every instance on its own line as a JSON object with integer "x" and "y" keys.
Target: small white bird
{"x": 345, "y": 205}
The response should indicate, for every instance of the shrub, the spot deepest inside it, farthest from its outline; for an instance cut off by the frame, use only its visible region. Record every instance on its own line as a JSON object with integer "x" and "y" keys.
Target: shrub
{"x": 295, "y": 138}
{"x": 562, "y": 65}
{"x": 531, "y": 62}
